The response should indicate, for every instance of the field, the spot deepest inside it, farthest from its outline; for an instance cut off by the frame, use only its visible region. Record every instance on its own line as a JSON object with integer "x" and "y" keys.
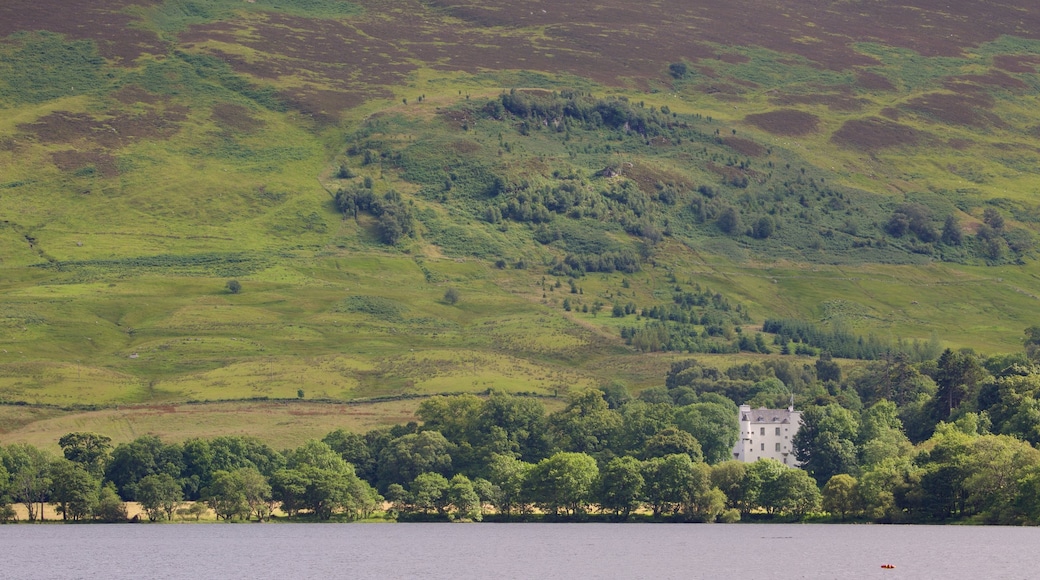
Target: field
{"x": 153, "y": 150}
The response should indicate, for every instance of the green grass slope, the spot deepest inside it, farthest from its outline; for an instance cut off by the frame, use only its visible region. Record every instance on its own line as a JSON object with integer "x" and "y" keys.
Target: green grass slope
{"x": 548, "y": 163}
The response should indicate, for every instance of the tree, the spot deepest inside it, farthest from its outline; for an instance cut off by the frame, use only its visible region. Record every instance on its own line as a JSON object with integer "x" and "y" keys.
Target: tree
{"x": 678, "y": 70}
{"x": 226, "y": 496}
{"x": 792, "y": 492}
{"x": 825, "y": 443}
{"x": 668, "y": 481}
{"x": 841, "y": 495}
{"x": 451, "y": 296}
{"x": 73, "y": 490}
{"x": 144, "y": 456}
{"x": 957, "y": 376}
{"x": 758, "y": 486}
{"x": 159, "y": 495}
{"x": 715, "y": 427}
{"x": 289, "y": 488}
{"x": 320, "y": 481}
{"x": 327, "y": 491}
{"x": 405, "y": 457}
{"x": 463, "y": 498}
{"x": 763, "y": 228}
{"x": 430, "y": 492}
{"x": 704, "y": 503}
{"x": 827, "y": 369}
{"x": 729, "y": 476}
{"x": 257, "y": 492}
{"x": 509, "y": 476}
{"x": 997, "y": 466}
{"x": 509, "y": 424}
{"x": 586, "y": 425}
{"x": 729, "y": 221}
{"x": 616, "y": 394}
{"x": 564, "y": 481}
{"x": 87, "y": 449}
{"x": 234, "y": 286}
{"x": 620, "y": 486}
{"x": 5, "y": 482}
{"x": 29, "y": 467}
{"x": 952, "y": 235}
{"x": 671, "y": 441}
{"x": 353, "y": 448}
{"x": 110, "y": 507}
{"x": 642, "y": 420}
{"x": 993, "y": 218}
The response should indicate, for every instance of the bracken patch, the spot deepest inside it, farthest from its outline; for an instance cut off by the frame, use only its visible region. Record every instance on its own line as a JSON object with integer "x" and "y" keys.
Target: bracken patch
{"x": 874, "y": 134}
{"x": 787, "y": 122}
{"x": 94, "y": 161}
{"x": 957, "y": 109}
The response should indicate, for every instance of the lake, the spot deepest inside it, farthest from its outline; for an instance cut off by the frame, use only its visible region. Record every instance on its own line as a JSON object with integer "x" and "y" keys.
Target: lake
{"x": 542, "y": 551}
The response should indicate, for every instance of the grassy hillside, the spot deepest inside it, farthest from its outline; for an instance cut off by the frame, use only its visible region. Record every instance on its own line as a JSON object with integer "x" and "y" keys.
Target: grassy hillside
{"x": 872, "y": 171}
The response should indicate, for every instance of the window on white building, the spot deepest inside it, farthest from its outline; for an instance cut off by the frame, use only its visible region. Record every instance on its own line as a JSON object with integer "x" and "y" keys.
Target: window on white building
{"x": 777, "y": 430}
{"x": 778, "y": 447}
{"x": 763, "y": 447}
{"x": 763, "y": 431}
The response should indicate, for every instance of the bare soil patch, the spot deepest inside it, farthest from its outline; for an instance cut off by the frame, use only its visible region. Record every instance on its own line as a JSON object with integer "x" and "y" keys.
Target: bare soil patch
{"x": 112, "y": 132}
{"x": 957, "y": 109}
{"x": 1014, "y": 63}
{"x": 873, "y": 82}
{"x": 235, "y": 117}
{"x": 71, "y": 161}
{"x": 788, "y": 122}
{"x": 131, "y": 94}
{"x": 744, "y": 146}
{"x": 993, "y": 79}
{"x": 874, "y": 134}
{"x": 104, "y": 22}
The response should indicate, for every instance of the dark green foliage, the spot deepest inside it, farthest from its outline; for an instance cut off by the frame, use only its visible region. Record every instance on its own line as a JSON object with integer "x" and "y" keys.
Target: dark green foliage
{"x": 764, "y": 228}
{"x": 89, "y": 450}
{"x": 451, "y": 296}
{"x": 825, "y": 444}
{"x": 145, "y": 456}
{"x": 594, "y": 154}
{"x": 213, "y": 69}
{"x": 958, "y": 376}
{"x": 394, "y": 218}
{"x": 838, "y": 342}
{"x": 43, "y": 66}
{"x": 234, "y": 286}
{"x": 678, "y": 70}
{"x": 377, "y": 306}
{"x": 729, "y": 221}
{"x": 216, "y": 265}
{"x": 674, "y": 327}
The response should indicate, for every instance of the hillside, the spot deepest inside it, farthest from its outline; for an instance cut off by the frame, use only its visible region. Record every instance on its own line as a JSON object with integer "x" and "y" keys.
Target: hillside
{"x": 439, "y": 197}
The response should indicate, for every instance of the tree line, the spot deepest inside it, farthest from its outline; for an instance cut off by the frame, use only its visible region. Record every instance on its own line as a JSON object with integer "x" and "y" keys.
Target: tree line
{"x": 950, "y": 438}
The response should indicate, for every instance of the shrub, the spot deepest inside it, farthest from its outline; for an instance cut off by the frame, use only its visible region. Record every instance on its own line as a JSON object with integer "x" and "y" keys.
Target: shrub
{"x": 451, "y": 296}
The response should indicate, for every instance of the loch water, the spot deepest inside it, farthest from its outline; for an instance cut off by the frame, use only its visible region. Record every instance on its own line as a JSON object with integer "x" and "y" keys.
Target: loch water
{"x": 502, "y": 551}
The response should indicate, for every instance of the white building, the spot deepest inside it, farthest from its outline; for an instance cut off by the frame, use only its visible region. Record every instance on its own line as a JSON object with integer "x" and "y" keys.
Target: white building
{"x": 767, "y": 433}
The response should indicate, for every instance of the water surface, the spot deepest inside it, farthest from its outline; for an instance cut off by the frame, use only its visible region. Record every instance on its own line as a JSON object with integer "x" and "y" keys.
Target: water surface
{"x": 541, "y": 551}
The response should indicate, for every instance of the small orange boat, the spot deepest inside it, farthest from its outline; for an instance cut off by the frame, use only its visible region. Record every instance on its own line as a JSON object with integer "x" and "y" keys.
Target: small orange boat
{"x": 888, "y": 566}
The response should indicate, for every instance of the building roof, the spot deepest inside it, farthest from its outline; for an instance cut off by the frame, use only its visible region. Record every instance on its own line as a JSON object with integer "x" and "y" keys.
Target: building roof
{"x": 763, "y": 415}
